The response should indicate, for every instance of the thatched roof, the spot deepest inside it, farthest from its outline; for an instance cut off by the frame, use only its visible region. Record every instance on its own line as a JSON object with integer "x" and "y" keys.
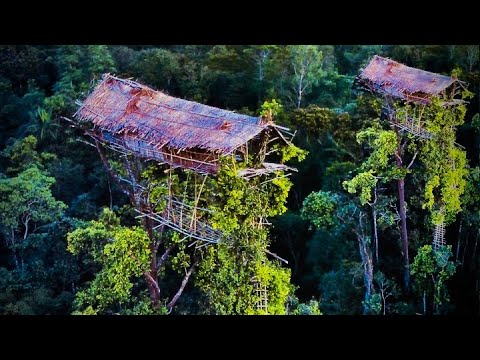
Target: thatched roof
{"x": 393, "y": 78}
{"x": 128, "y": 109}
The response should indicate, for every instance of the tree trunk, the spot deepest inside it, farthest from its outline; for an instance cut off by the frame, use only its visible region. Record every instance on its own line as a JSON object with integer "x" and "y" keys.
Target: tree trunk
{"x": 25, "y": 234}
{"x": 14, "y": 250}
{"x": 403, "y": 232}
{"x": 152, "y": 282}
{"x": 299, "y": 97}
{"x": 110, "y": 192}
{"x": 424, "y": 303}
{"x": 403, "y": 214}
{"x": 295, "y": 262}
{"x": 375, "y": 226}
{"x": 375, "y": 233}
{"x": 457, "y": 252}
{"x": 300, "y": 90}
{"x": 367, "y": 264}
{"x": 261, "y": 61}
{"x": 153, "y": 289}
{"x": 474, "y": 251}
{"x": 384, "y": 302}
{"x": 465, "y": 248}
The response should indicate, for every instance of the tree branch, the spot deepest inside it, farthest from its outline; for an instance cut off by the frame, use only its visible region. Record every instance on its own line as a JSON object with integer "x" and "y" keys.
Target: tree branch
{"x": 113, "y": 173}
{"x": 402, "y": 147}
{"x": 399, "y": 159}
{"x": 276, "y": 256}
{"x": 174, "y": 300}
{"x": 152, "y": 282}
{"x": 413, "y": 159}
{"x": 164, "y": 257}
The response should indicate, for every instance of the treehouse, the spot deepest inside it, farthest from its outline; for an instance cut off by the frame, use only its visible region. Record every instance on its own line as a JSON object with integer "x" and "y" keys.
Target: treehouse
{"x": 133, "y": 118}
{"x": 395, "y": 81}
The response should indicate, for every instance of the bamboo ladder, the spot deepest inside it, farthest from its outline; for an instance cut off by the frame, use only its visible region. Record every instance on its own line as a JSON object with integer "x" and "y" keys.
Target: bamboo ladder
{"x": 439, "y": 233}
{"x": 262, "y": 294}
{"x": 439, "y": 236}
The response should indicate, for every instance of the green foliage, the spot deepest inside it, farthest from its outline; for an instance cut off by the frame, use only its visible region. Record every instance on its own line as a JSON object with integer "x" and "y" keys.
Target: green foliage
{"x": 26, "y": 201}
{"x": 377, "y": 166}
{"x": 320, "y": 208}
{"x": 241, "y": 200}
{"x": 383, "y": 144}
{"x": 158, "y": 67}
{"x": 364, "y": 182}
{"x": 181, "y": 261}
{"x": 340, "y": 290}
{"x": 445, "y": 163}
{"x": 374, "y": 304}
{"x": 77, "y": 67}
{"x": 39, "y": 84}
{"x": 471, "y": 196}
{"x": 270, "y": 109}
{"x": 311, "y": 307}
{"x": 476, "y": 121}
{"x": 277, "y": 281}
{"x": 227, "y": 276}
{"x": 227, "y": 281}
{"x": 314, "y": 119}
{"x": 123, "y": 254}
{"x": 306, "y": 61}
{"x": 30, "y": 224}
{"x": 385, "y": 289}
{"x": 228, "y": 271}
{"x": 431, "y": 270}
{"x": 290, "y": 152}
{"x": 335, "y": 175}
{"x": 22, "y": 154}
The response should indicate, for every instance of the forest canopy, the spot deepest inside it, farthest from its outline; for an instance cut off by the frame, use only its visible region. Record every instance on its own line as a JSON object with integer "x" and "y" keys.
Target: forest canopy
{"x": 376, "y": 219}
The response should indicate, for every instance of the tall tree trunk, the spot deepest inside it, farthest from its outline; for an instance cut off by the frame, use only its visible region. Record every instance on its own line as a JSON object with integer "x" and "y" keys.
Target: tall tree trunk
{"x": 384, "y": 303}
{"x": 475, "y": 251}
{"x": 403, "y": 213}
{"x": 375, "y": 232}
{"x": 424, "y": 302}
{"x": 152, "y": 279}
{"x": 459, "y": 240}
{"x": 465, "y": 249}
{"x": 300, "y": 90}
{"x": 403, "y": 232}
{"x": 367, "y": 264}
{"x": 375, "y": 226}
{"x": 14, "y": 250}
{"x": 110, "y": 192}
{"x": 295, "y": 261}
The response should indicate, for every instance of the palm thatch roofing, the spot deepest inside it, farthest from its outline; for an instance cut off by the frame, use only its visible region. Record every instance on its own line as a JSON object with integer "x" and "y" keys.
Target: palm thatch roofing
{"x": 392, "y": 78}
{"x": 127, "y": 109}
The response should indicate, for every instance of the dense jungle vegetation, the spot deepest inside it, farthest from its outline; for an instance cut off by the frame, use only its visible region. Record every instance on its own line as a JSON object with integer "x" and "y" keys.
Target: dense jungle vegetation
{"x": 70, "y": 242}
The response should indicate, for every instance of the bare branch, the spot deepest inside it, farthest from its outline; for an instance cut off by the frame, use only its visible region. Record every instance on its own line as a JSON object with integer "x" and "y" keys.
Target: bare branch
{"x": 413, "y": 159}
{"x": 276, "y": 256}
{"x": 174, "y": 300}
{"x": 164, "y": 257}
